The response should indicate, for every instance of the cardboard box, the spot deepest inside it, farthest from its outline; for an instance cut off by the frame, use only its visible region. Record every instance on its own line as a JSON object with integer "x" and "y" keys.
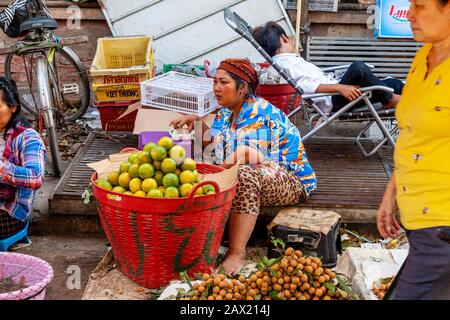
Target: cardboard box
{"x": 151, "y": 119}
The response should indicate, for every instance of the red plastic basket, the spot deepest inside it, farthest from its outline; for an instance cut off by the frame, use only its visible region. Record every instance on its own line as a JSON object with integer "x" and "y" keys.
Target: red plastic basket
{"x": 153, "y": 240}
{"x": 110, "y": 111}
{"x": 283, "y": 96}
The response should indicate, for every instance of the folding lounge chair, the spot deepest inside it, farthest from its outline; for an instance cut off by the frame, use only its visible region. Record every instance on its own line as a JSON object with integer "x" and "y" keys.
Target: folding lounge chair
{"x": 372, "y": 113}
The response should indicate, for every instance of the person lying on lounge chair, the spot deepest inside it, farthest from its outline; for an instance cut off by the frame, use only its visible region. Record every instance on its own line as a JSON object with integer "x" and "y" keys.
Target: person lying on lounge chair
{"x": 281, "y": 47}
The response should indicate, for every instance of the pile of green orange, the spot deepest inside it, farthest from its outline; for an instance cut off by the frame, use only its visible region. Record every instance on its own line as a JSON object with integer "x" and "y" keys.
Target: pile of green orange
{"x": 158, "y": 171}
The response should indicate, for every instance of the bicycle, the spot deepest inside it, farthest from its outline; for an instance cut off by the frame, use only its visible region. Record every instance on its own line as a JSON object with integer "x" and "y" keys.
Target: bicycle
{"x": 53, "y": 84}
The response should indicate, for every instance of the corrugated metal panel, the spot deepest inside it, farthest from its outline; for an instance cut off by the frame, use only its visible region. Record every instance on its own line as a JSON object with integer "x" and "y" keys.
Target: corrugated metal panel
{"x": 188, "y": 31}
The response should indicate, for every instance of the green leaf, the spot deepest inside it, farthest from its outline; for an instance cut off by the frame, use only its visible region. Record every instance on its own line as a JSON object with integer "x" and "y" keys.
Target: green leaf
{"x": 329, "y": 286}
{"x": 273, "y": 295}
{"x": 343, "y": 285}
{"x": 265, "y": 261}
{"x": 260, "y": 266}
{"x": 184, "y": 276}
{"x": 86, "y": 196}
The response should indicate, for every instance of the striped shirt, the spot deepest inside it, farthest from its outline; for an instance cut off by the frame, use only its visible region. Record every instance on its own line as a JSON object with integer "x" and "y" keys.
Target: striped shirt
{"x": 22, "y": 173}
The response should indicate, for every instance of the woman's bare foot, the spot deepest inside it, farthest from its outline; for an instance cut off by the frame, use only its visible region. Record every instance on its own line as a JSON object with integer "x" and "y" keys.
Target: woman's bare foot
{"x": 394, "y": 101}
{"x": 233, "y": 263}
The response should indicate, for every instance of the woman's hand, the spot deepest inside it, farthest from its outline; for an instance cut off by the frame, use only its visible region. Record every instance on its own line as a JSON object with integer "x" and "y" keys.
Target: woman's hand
{"x": 349, "y": 92}
{"x": 188, "y": 120}
{"x": 386, "y": 221}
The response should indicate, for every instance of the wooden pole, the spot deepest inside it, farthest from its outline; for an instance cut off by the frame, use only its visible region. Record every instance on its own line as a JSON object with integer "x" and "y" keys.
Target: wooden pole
{"x": 298, "y": 24}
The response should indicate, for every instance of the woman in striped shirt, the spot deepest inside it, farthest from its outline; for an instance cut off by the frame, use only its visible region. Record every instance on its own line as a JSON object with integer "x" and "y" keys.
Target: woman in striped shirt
{"x": 22, "y": 162}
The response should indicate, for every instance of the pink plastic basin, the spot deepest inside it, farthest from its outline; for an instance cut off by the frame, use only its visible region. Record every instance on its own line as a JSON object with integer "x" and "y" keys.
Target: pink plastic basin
{"x": 36, "y": 273}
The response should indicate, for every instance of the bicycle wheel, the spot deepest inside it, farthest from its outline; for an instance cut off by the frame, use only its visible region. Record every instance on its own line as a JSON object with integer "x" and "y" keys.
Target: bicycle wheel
{"x": 72, "y": 87}
{"x": 45, "y": 99}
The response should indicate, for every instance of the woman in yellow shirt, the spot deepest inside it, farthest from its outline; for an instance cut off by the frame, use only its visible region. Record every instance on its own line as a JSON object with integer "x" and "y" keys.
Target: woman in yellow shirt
{"x": 420, "y": 186}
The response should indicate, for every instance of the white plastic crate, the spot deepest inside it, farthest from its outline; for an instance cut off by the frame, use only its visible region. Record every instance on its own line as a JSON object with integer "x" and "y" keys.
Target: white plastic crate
{"x": 180, "y": 92}
{"x": 375, "y": 133}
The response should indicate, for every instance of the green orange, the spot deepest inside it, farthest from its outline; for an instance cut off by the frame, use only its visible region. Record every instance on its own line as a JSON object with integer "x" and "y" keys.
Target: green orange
{"x": 124, "y": 166}
{"x": 149, "y": 184}
{"x": 135, "y": 185}
{"x": 133, "y": 170}
{"x": 113, "y": 178}
{"x": 132, "y": 158}
{"x": 185, "y": 189}
{"x": 103, "y": 183}
{"x": 170, "y": 180}
{"x": 166, "y": 143}
{"x": 144, "y": 157}
{"x": 158, "y": 153}
{"x": 124, "y": 180}
{"x": 119, "y": 189}
{"x": 172, "y": 192}
{"x": 188, "y": 164}
{"x": 146, "y": 171}
{"x": 140, "y": 193}
{"x": 168, "y": 165}
{"x": 158, "y": 177}
{"x": 155, "y": 193}
{"x": 149, "y": 146}
{"x": 187, "y": 176}
{"x": 157, "y": 165}
{"x": 178, "y": 154}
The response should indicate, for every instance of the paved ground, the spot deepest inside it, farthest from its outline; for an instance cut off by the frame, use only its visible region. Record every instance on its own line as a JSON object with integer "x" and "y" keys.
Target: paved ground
{"x": 73, "y": 260}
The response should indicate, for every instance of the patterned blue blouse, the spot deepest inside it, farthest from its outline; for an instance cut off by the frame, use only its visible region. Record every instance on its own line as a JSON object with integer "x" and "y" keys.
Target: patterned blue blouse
{"x": 266, "y": 128}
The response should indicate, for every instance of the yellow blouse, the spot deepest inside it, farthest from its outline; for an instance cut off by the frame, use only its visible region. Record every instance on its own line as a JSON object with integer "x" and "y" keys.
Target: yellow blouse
{"x": 422, "y": 153}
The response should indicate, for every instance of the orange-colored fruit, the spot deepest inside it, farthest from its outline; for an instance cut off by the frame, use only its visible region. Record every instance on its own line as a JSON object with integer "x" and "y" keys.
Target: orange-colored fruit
{"x": 124, "y": 179}
{"x": 146, "y": 171}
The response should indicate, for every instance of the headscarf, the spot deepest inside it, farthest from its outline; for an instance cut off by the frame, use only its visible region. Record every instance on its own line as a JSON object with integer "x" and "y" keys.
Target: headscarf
{"x": 241, "y": 68}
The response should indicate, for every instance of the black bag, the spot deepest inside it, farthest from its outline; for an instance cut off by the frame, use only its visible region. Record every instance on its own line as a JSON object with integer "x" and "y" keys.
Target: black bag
{"x": 30, "y": 10}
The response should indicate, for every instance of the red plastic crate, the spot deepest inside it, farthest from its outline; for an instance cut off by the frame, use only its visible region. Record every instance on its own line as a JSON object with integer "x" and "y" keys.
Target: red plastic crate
{"x": 109, "y": 112}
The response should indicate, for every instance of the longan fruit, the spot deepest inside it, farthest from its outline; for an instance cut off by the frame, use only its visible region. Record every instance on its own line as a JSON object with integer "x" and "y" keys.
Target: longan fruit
{"x": 287, "y": 279}
{"x": 253, "y": 278}
{"x": 302, "y": 297}
{"x": 196, "y": 292}
{"x": 304, "y": 278}
{"x": 219, "y": 297}
{"x": 307, "y": 295}
{"x": 215, "y": 295}
{"x": 380, "y": 295}
{"x": 314, "y": 265}
{"x": 300, "y": 267}
{"x": 327, "y": 278}
{"x": 277, "y": 287}
{"x": 298, "y": 253}
{"x": 376, "y": 291}
{"x": 330, "y": 293}
{"x": 383, "y": 287}
{"x": 305, "y": 286}
{"x": 249, "y": 298}
{"x": 319, "y": 293}
{"x": 284, "y": 263}
{"x": 326, "y": 298}
{"x": 241, "y": 278}
{"x": 317, "y": 273}
{"x": 302, "y": 260}
{"x": 222, "y": 293}
{"x": 251, "y": 293}
{"x": 290, "y": 270}
{"x": 205, "y": 276}
{"x": 315, "y": 298}
{"x": 259, "y": 282}
{"x": 229, "y": 285}
{"x": 292, "y": 287}
{"x": 295, "y": 280}
{"x": 216, "y": 289}
{"x": 308, "y": 261}
{"x": 280, "y": 281}
{"x": 222, "y": 284}
{"x": 294, "y": 263}
{"x": 253, "y": 285}
{"x": 289, "y": 251}
{"x": 228, "y": 296}
{"x": 266, "y": 278}
{"x": 274, "y": 280}
{"x": 287, "y": 294}
{"x": 309, "y": 269}
{"x": 321, "y": 279}
{"x": 267, "y": 298}
{"x": 312, "y": 291}
{"x": 195, "y": 286}
{"x": 332, "y": 275}
{"x": 216, "y": 281}
{"x": 328, "y": 271}
{"x": 286, "y": 286}
{"x": 210, "y": 298}
{"x": 280, "y": 295}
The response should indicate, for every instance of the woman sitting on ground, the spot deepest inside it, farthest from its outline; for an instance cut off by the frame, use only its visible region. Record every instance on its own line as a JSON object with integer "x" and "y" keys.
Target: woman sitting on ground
{"x": 21, "y": 164}
{"x": 275, "y": 170}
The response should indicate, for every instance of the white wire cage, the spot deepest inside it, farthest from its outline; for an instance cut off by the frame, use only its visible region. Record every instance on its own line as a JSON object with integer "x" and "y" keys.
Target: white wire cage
{"x": 180, "y": 92}
{"x": 315, "y": 5}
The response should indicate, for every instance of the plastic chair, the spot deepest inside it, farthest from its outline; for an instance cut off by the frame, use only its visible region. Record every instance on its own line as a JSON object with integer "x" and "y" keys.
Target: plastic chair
{"x": 22, "y": 235}
{"x": 372, "y": 113}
